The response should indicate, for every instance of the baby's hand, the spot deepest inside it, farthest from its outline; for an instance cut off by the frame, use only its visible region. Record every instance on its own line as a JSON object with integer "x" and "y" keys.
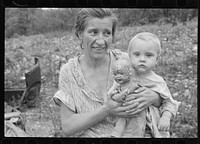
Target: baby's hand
{"x": 164, "y": 124}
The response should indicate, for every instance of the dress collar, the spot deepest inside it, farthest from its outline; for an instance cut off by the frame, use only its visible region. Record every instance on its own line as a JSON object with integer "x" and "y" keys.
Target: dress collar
{"x": 82, "y": 82}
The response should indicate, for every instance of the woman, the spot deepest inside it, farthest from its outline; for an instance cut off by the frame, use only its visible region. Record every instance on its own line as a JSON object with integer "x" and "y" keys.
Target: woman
{"x": 85, "y": 80}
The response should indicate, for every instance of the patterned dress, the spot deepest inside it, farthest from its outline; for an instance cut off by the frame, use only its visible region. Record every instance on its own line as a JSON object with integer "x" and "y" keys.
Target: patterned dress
{"x": 77, "y": 94}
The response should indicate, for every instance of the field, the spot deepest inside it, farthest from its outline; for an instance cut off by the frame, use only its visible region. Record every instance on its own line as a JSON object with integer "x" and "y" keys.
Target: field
{"x": 177, "y": 64}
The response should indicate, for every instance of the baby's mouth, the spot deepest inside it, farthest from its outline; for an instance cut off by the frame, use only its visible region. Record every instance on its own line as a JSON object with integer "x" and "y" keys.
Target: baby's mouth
{"x": 143, "y": 66}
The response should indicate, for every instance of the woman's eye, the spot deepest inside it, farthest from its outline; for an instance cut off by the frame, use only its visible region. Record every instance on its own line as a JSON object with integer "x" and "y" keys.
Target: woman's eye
{"x": 93, "y": 32}
{"x": 107, "y": 33}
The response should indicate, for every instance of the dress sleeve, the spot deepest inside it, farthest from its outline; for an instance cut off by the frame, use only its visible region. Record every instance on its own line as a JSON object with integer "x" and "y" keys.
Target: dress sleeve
{"x": 64, "y": 94}
{"x": 168, "y": 103}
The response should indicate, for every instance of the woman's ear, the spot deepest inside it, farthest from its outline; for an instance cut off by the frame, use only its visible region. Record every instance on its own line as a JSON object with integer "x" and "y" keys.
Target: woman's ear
{"x": 113, "y": 39}
{"x": 80, "y": 35}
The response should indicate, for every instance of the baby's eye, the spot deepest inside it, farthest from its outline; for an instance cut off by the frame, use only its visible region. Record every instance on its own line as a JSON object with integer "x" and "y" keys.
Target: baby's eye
{"x": 149, "y": 54}
{"x": 136, "y": 54}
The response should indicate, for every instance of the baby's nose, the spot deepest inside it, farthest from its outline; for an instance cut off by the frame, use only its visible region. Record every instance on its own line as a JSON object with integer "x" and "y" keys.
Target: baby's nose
{"x": 142, "y": 59}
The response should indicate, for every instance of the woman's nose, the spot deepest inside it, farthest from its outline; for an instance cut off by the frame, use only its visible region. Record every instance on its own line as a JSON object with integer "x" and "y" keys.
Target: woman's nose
{"x": 100, "y": 40}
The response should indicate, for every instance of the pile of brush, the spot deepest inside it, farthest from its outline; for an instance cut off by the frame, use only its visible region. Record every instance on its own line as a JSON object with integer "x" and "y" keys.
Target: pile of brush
{"x": 13, "y": 122}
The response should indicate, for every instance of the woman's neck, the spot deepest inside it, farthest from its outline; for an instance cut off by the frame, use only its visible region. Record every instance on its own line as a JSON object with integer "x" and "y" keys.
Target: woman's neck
{"x": 95, "y": 63}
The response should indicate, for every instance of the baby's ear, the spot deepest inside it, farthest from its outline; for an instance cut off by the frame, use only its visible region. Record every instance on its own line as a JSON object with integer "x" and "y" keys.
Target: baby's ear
{"x": 132, "y": 72}
{"x": 157, "y": 59}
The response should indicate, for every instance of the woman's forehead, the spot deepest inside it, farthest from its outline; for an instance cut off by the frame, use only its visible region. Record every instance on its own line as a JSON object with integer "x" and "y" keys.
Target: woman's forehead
{"x": 99, "y": 23}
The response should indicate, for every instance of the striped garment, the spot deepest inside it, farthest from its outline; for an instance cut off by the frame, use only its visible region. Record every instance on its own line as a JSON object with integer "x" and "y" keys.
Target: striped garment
{"x": 76, "y": 93}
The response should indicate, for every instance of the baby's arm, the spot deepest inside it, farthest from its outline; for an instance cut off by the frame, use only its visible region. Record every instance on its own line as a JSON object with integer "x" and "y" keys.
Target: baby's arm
{"x": 168, "y": 108}
{"x": 164, "y": 121}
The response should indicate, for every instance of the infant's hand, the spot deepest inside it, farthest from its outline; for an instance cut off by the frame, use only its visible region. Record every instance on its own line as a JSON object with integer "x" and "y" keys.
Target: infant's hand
{"x": 164, "y": 124}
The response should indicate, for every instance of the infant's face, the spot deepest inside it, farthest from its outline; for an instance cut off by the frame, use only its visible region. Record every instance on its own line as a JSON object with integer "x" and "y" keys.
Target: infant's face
{"x": 143, "y": 56}
{"x": 121, "y": 77}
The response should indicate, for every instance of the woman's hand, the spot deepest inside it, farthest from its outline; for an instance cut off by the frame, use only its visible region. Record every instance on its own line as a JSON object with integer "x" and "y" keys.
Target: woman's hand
{"x": 116, "y": 108}
{"x": 140, "y": 100}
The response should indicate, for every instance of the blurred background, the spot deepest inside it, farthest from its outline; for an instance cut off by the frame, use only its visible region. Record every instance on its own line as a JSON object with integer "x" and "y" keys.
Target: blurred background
{"x": 28, "y": 21}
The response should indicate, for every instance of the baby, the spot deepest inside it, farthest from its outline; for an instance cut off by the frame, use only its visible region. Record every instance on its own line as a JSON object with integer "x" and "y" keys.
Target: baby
{"x": 143, "y": 51}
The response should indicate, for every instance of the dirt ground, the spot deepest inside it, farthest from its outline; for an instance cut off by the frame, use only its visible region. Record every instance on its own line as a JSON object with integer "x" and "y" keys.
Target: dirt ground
{"x": 43, "y": 119}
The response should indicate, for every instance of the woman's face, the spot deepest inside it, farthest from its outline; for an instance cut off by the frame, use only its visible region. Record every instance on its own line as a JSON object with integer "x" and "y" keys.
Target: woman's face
{"x": 97, "y": 37}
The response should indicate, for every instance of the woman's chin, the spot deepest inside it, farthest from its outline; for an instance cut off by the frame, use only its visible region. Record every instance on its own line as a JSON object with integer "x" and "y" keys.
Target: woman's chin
{"x": 99, "y": 54}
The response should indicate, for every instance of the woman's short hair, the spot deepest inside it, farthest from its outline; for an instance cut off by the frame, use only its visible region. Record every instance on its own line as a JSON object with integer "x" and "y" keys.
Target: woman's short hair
{"x": 147, "y": 37}
{"x": 84, "y": 14}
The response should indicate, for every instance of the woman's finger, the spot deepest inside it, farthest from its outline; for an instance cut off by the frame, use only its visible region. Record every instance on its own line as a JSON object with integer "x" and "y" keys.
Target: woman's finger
{"x": 131, "y": 107}
{"x": 167, "y": 128}
{"x": 130, "y": 97}
{"x": 135, "y": 111}
{"x": 164, "y": 129}
{"x": 140, "y": 89}
{"x": 159, "y": 127}
{"x": 131, "y": 100}
{"x": 134, "y": 96}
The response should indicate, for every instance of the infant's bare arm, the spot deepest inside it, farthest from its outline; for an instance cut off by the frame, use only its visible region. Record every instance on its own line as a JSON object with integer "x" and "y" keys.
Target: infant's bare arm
{"x": 164, "y": 121}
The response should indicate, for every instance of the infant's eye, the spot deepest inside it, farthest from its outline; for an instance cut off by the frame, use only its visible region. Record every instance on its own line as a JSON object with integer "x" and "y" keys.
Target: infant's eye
{"x": 149, "y": 54}
{"x": 136, "y": 54}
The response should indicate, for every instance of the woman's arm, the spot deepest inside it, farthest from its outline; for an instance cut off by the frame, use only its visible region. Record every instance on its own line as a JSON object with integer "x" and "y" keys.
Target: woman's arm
{"x": 73, "y": 123}
{"x": 144, "y": 97}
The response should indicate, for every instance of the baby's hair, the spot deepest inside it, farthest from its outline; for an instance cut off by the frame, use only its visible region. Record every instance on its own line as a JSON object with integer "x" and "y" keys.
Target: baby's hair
{"x": 147, "y": 37}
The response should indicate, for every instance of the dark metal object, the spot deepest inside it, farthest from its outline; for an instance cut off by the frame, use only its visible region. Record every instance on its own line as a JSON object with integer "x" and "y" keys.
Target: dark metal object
{"x": 14, "y": 97}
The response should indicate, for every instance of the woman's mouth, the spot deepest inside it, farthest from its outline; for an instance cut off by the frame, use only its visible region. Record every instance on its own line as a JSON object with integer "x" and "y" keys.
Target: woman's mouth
{"x": 99, "y": 48}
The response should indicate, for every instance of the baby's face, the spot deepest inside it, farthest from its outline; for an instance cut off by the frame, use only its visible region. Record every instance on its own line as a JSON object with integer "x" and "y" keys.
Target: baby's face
{"x": 143, "y": 56}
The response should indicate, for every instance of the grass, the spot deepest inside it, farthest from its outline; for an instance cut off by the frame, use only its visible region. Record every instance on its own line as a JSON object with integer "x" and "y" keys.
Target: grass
{"x": 177, "y": 64}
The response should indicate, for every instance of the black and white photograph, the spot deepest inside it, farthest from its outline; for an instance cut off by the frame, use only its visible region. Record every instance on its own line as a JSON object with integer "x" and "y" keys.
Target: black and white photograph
{"x": 100, "y": 72}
